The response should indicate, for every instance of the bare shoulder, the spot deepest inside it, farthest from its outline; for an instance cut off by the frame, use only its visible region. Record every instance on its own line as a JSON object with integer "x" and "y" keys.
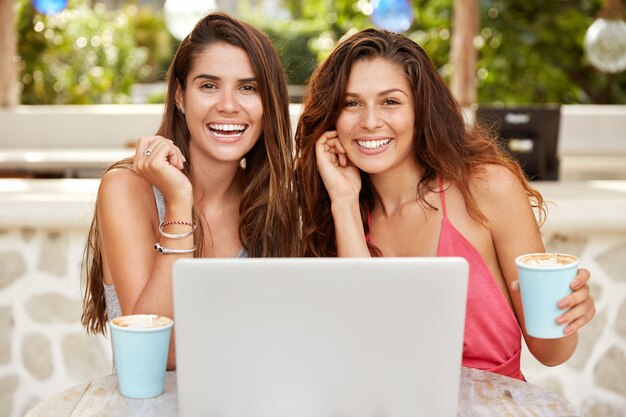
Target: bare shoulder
{"x": 498, "y": 191}
{"x": 122, "y": 181}
{"x": 495, "y": 181}
{"x": 122, "y": 191}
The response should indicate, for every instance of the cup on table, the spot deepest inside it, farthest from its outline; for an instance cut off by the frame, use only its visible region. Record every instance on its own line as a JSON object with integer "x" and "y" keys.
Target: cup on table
{"x": 140, "y": 346}
{"x": 544, "y": 279}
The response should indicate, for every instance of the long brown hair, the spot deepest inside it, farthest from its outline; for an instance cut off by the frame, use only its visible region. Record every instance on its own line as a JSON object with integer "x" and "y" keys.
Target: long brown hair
{"x": 269, "y": 225}
{"x": 443, "y": 144}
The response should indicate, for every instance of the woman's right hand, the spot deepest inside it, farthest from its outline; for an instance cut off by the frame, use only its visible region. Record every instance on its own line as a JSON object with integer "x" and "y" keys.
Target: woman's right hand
{"x": 341, "y": 178}
{"x": 161, "y": 162}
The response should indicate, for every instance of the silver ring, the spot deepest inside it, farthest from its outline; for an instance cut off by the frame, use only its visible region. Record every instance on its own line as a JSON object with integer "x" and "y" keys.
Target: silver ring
{"x": 147, "y": 152}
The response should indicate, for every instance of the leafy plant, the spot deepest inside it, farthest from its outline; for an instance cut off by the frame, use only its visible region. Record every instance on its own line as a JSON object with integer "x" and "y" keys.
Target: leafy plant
{"x": 87, "y": 54}
{"x": 528, "y": 52}
{"x": 532, "y": 53}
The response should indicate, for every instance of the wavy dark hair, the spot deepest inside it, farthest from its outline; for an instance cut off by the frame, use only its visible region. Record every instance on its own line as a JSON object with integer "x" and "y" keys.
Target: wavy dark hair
{"x": 443, "y": 144}
{"x": 269, "y": 225}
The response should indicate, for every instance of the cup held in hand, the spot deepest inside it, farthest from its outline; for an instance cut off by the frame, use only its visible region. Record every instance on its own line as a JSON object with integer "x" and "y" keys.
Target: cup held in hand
{"x": 544, "y": 279}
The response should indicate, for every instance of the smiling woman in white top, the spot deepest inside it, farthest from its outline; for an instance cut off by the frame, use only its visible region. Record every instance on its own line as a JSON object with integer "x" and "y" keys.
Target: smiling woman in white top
{"x": 214, "y": 181}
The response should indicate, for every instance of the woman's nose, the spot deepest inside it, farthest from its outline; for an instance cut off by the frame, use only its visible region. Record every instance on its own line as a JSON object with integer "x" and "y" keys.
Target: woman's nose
{"x": 228, "y": 101}
{"x": 370, "y": 118}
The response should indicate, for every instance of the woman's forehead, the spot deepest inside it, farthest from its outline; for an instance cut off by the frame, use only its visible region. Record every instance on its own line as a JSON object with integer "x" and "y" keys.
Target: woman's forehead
{"x": 377, "y": 73}
{"x": 223, "y": 59}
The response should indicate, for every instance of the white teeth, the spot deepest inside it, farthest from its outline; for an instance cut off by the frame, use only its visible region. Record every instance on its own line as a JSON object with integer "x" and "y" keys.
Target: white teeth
{"x": 373, "y": 144}
{"x": 227, "y": 127}
{"x": 225, "y": 130}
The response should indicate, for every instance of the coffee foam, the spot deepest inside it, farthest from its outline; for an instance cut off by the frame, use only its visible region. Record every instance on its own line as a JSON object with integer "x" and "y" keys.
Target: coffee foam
{"x": 142, "y": 321}
{"x": 547, "y": 259}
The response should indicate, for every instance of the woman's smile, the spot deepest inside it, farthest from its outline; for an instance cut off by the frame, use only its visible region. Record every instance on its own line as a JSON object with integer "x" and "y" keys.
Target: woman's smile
{"x": 227, "y": 130}
{"x": 373, "y": 146}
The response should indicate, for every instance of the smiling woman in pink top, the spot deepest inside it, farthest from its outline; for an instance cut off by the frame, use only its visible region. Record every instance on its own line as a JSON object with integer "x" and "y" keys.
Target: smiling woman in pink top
{"x": 214, "y": 181}
{"x": 386, "y": 166}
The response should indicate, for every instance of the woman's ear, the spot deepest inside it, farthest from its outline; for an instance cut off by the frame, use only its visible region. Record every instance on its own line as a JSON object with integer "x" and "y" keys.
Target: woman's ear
{"x": 179, "y": 97}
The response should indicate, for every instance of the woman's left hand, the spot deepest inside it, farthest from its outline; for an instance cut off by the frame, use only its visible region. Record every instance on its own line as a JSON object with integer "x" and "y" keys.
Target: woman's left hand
{"x": 579, "y": 304}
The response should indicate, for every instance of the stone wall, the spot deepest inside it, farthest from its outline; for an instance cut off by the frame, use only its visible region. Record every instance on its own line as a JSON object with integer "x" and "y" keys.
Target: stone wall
{"x": 594, "y": 379}
{"x": 43, "y": 347}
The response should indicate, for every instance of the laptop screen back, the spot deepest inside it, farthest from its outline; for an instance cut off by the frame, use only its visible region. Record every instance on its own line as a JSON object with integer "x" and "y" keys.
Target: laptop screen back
{"x": 319, "y": 337}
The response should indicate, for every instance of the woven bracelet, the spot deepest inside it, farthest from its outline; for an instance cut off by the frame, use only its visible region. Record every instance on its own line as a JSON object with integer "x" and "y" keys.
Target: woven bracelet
{"x": 193, "y": 226}
{"x": 168, "y": 251}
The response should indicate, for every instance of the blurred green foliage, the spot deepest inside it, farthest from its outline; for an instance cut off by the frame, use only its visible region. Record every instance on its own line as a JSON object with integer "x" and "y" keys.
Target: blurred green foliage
{"x": 310, "y": 34}
{"x": 292, "y": 41}
{"x": 532, "y": 52}
{"x": 87, "y": 54}
{"x": 528, "y": 52}
{"x": 148, "y": 28}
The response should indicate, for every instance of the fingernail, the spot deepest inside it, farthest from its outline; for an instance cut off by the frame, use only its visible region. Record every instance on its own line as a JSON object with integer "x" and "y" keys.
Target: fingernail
{"x": 560, "y": 320}
{"x": 562, "y": 304}
{"x": 575, "y": 284}
{"x": 568, "y": 330}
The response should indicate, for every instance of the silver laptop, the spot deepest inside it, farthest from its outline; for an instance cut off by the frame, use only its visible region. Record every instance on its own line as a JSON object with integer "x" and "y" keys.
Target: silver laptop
{"x": 321, "y": 337}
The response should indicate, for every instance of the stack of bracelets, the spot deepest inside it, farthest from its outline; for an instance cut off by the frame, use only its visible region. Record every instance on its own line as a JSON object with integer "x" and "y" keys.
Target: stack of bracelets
{"x": 168, "y": 251}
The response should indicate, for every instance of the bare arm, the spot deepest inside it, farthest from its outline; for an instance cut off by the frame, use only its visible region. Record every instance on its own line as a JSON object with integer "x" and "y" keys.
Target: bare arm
{"x": 343, "y": 183}
{"x": 129, "y": 229}
{"x": 514, "y": 231}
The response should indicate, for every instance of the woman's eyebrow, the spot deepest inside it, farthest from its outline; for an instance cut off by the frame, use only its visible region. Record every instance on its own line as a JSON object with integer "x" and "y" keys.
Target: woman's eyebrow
{"x": 380, "y": 93}
{"x": 392, "y": 90}
{"x": 216, "y": 78}
{"x": 206, "y": 77}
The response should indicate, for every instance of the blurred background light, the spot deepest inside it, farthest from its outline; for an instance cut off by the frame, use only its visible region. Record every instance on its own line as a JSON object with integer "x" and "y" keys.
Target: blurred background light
{"x": 182, "y": 15}
{"x": 49, "y": 6}
{"x": 605, "y": 45}
{"x": 393, "y": 15}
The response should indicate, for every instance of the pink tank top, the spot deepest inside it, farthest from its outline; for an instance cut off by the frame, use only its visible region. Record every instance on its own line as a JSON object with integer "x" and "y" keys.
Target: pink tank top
{"x": 493, "y": 340}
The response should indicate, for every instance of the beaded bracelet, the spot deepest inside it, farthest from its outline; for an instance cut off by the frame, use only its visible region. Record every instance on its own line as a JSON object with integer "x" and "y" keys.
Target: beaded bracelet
{"x": 167, "y": 251}
{"x": 193, "y": 225}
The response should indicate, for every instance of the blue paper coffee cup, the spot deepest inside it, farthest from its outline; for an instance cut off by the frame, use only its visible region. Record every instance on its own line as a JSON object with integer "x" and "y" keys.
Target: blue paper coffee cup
{"x": 140, "y": 346}
{"x": 544, "y": 279}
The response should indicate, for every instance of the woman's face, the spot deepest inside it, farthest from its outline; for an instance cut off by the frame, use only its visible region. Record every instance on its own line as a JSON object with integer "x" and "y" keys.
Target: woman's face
{"x": 222, "y": 104}
{"x": 375, "y": 125}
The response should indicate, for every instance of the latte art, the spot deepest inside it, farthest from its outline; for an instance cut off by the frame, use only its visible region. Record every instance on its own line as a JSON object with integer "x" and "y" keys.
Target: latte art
{"x": 141, "y": 321}
{"x": 547, "y": 259}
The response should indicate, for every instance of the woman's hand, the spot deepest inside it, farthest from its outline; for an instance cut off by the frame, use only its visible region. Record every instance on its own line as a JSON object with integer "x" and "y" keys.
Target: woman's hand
{"x": 161, "y": 162}
{"x": 580, "y": 304}
{"x": 341, "y": 178}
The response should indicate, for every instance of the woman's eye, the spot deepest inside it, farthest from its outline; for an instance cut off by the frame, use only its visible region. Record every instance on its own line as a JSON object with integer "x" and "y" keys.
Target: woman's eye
{"x": 249, "y": 88}
{"x": 208, "y": 86}
{"x": 350, "y": 103}
{"x": 391, "y": 101}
